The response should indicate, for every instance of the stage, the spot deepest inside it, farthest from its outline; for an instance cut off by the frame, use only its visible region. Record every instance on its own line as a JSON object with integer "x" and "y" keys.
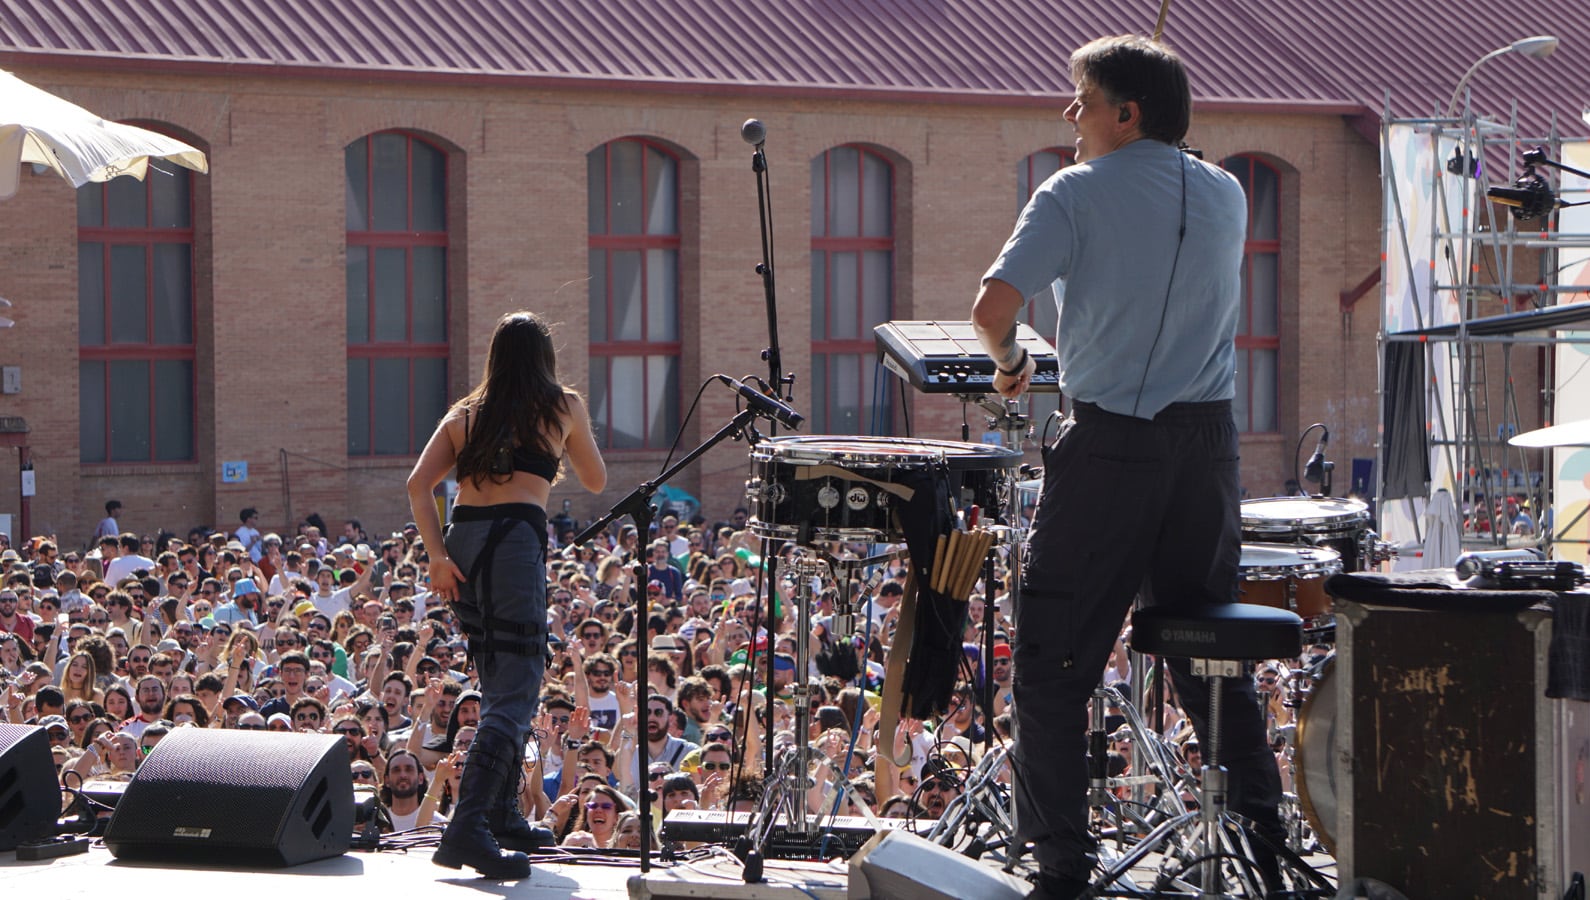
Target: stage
{"x": 96, "y": 874}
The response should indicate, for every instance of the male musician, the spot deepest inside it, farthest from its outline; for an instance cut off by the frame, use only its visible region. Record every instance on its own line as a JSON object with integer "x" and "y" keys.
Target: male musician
{"x": 1149, "y": 242}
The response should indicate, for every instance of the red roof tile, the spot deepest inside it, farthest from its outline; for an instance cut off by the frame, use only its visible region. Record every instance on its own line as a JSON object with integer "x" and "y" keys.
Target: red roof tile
{"x": 1340, "y": 55}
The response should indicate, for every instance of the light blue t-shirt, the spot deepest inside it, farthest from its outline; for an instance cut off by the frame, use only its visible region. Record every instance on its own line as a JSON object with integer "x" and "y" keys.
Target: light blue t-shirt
{"x": 1107, "y": 228}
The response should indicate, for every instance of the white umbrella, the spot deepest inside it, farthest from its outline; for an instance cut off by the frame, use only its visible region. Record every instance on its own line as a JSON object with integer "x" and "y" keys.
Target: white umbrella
{"x": 38, "y": 127}
{"x": 1443, "y": 531}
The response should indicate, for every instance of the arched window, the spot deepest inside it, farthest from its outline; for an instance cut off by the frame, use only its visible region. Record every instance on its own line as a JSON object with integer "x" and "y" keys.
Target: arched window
{"x": 1042, "y": 312}
{"x": 633, "y": 213}
{"x": 136, "y": 319}
{"x": 1258, "y": 329}
{"x": 397, "y": 293}
{"x": 852, "y": 289}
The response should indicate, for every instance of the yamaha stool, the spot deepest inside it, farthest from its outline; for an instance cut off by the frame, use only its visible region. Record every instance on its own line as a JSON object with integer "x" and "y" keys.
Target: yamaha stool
{"x": 1216, "y": 640}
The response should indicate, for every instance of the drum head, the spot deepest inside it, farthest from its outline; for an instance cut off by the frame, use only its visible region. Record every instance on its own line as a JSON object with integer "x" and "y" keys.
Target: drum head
{"x": 1320, "y": 779}
{"x": 874, "y": 451}
{"x": 1260, "y": 561}
{"x": 1289, "y": 514}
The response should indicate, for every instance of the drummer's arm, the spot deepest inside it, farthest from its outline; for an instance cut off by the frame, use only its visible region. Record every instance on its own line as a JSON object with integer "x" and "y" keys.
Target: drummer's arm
{"x": 994, "y": 319}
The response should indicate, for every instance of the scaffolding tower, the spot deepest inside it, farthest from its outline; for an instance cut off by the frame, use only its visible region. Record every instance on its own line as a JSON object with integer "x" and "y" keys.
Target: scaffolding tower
{"x": 1484, "y": 285}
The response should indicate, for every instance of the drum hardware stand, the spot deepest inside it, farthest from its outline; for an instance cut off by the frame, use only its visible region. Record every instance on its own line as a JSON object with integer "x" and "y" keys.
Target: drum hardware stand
{"x": 1150, "y": 756}
{"x": 984, "y": 800}
{"x": 790, "y": 778}
{"x": 638, "y": 506}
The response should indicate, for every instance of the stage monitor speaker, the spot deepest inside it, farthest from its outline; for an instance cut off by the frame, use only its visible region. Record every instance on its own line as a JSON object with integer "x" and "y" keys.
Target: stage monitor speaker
{"x": 237, "y": 798}
{"x": 1463, "y": 778}
{"x": 898, "y": 865}
{"x": 30, "y": 799}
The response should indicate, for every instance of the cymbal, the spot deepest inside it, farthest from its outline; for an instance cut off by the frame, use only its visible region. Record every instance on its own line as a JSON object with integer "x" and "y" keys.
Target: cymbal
{"x": 1569, "y": 434}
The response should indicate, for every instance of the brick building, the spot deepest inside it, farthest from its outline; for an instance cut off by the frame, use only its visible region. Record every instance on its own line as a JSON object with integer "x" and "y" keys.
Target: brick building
{"x": 381, "y": 190}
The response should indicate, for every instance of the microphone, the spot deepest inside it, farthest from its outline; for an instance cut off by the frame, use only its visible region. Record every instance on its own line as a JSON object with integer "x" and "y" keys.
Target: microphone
{"x": 1314, "y": 471}
{"x": 762, "y": 404}
{"x": 753, "y": 132}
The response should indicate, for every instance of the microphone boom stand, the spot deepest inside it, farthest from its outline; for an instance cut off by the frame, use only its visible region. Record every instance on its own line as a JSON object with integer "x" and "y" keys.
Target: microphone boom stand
{"x": 638, "y": 505}
{"x": 783, "y": 382}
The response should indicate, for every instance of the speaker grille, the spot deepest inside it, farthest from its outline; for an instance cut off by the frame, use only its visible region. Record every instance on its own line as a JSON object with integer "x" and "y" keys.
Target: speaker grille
{"x": 29, "y": 797}
{"x": 242, "y": 789}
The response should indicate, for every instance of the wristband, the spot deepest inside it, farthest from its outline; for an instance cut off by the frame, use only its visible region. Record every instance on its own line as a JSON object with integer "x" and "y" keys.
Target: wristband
{"x": 1017, "y": 369}
{"x": 433, "y": 798}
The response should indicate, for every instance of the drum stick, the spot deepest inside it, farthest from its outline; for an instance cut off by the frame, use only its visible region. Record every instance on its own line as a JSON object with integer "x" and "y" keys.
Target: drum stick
{"x": 942, "y": 571}
{"x": 940, "y": 551}
{"x": 963, "y": 562}
{"x": 983, "y": 546}
{"x": 974, "y": 565}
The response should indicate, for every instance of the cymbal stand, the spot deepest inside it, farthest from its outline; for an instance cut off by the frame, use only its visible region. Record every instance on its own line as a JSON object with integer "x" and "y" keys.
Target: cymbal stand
{"x": 982, "y": 813}
{"x": 788, "y": 783}
{"x": 1151, "y": 757}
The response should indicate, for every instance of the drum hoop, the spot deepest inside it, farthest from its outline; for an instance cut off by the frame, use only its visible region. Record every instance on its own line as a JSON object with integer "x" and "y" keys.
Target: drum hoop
{"x": 1310, "y": 560}
{"x": 897, "y": 452}
{"x": 1327, "y": 836}
{"x": 1347, "y": 520}
{"x": 1305, "y": 572}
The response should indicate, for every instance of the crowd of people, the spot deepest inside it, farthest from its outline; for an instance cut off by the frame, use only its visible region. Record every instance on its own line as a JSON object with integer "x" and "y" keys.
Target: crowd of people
{"x": 340, "y": 634}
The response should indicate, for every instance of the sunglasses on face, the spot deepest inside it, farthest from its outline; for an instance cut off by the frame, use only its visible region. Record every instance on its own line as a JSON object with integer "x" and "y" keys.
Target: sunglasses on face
{"x": 81, "y": 720}
{"x": 364, "y": 773}
{"x": 602, "y": 673}
{"x": 720, "y": 736}
{"x": 716, "y": 766}
{"x": 352, "y": 731}
{"x": 591, "y": 636}
{"x": 251, "y": 728}
{"x": 604, "y": 805}
{"x": 100, "y": 620}
{"x": 560, "y": 720}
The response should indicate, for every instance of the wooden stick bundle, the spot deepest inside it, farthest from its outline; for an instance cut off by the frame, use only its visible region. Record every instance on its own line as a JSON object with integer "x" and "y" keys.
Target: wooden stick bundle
{"x": 957, "y": 561}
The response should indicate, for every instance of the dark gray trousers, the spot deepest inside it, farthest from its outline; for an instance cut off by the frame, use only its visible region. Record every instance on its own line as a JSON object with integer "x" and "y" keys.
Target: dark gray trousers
{"x": 1127, "y": 503}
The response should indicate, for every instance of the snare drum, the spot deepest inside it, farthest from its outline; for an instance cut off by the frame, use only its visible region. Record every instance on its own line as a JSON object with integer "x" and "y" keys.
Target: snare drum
{"x": 1342, "y": 525}
{"x": 828, "y": 487}
{"x": 1288, "y": 577}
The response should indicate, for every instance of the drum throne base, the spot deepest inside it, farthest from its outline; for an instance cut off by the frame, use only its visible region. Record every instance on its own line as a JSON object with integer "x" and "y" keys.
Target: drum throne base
{"x": 1210, "y": 844}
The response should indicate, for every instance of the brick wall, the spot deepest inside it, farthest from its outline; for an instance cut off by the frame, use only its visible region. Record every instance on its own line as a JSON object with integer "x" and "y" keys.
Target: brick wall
{"x": 272, "y": 339}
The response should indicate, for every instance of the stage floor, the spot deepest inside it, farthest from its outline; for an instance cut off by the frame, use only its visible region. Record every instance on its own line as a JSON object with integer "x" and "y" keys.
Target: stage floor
{"x": 96, "y": 874}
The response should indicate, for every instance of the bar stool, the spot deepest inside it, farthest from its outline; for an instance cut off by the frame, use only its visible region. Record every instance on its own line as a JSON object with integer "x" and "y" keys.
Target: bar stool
{"x": 1216, "y": 639}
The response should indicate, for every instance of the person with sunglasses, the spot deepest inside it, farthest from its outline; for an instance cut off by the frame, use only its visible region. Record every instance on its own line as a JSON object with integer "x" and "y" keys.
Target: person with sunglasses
{"x": 598, "y": 819}
{"x": 364, "y": 774}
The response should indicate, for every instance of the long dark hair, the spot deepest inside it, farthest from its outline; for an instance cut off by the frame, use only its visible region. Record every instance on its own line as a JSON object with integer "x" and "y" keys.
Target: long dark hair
{"x": 519, "y": 401}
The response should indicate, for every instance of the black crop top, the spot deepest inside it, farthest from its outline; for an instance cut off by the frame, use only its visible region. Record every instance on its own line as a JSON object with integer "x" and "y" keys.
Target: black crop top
{"x": 526, "y": 459}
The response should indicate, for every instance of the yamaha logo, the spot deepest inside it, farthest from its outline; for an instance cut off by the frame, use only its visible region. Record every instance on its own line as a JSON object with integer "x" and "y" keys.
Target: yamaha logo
{"x": 1187, "y": 635}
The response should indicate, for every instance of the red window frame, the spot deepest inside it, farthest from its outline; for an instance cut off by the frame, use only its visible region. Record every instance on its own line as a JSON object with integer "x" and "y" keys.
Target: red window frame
{"x": 149, "y": 352}
{"x": 407, "y": 240}
{"x": 1246, "y": 341}
{"x": 863, "y": 346}
{"x": 604, "y": 352}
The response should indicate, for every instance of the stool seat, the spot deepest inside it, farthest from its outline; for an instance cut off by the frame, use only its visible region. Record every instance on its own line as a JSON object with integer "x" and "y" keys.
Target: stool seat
{"x": 1235, "y": 631}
